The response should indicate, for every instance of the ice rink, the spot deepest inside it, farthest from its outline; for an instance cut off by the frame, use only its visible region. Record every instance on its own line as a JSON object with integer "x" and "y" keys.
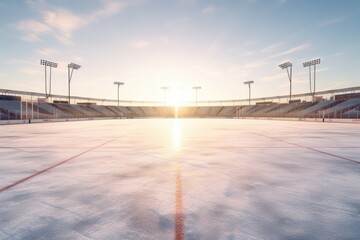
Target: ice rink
{"x": 180, "y": 179}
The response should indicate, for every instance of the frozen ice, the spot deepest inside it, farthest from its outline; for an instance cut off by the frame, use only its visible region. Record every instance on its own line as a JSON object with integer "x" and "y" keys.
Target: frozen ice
{"x": 241, "y": 179}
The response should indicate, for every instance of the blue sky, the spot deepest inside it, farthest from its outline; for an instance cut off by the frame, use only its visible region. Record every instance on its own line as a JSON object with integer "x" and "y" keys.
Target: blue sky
{"x": 181, "y": 43}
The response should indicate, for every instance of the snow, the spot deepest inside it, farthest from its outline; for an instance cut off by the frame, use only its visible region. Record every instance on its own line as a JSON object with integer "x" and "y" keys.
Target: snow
{"x": 240, "y": 179}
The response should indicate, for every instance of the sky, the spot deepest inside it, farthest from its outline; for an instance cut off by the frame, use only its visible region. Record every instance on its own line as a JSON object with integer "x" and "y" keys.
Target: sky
{"x": 179, "y": 43}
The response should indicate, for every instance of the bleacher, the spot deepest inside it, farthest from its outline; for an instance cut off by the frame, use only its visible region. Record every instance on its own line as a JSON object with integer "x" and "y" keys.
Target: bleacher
{"x": 341, "y": 108}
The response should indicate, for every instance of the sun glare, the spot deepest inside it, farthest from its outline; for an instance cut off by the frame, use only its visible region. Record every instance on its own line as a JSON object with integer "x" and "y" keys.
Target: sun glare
{"x": 175, "y": 98}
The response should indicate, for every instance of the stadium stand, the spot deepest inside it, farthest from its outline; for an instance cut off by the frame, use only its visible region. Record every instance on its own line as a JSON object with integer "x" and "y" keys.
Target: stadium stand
{"x": 346, "y": 104}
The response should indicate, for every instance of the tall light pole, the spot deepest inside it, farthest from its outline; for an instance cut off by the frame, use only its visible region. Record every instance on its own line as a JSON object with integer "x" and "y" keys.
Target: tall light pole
{"x": 71, "y": 66}
{"x": 164, "y": 89}
{"x": 196, "y": 88}
{"x": 288, "y": 65}
{"x": 46, "y": 64}
{"x": 118, "y": 86}
{"x": 310, "y": 64}
{"x": 249, "y": 84}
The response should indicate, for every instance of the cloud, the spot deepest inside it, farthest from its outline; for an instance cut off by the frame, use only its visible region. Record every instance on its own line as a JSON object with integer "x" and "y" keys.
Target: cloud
{"x": 273, "y": 77}
{"x": 255, "y": 64}
{"x": 293, "y": 50}
{"x": 110, "y": 8}
{"x": 31, "y": 71}
{"x": 209, "y": 9}
{"x": 22, "y": 62}
{"x": 47, "y": 51}
{"x": 270, "y": 48}
{"x": 331, "y": 21}
{"x": 246, "y": 54}
{"x": 32, "y": 29}
{"x": 208, "y": 72}
{"x": 338, "y": 54}
{"x": 322, "y": 70}
{"x": 62, "y": 23}
{"x": 139, "y": 44}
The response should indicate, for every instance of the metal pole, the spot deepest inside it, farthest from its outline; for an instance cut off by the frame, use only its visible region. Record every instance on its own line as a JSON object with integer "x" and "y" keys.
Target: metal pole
{"x": 50, "y": 83}
{"x": 32, "y": 107}
{"x": 196, "y": 99}
{"x": 20, "y": 110}
{"x": 69, "y": 82}
{"x": 290, "y": 82}
{"x": 314, "y": 78}
{"x": 249, "y": 93}
{"x": 310, "y": 79}
{"x": 118, "y": 94}
{"x": 45, "y": 82}
{"x": 26, "y": 110}
{"x": 290, "y": 77}
{"x": 165, "y": 96}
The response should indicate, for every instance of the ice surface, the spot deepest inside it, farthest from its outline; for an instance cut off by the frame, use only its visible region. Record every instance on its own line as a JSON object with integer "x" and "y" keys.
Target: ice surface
{"x": 241, "y": 179}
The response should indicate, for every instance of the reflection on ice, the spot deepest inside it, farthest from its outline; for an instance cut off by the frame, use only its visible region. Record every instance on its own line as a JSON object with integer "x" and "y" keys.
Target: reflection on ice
{"x": 176, "y": 137}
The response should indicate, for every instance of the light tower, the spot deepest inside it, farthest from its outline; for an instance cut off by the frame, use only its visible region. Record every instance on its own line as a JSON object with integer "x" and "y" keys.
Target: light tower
{"x": 164, "y": 89}
{"x": 309, "y": 64}
{"x": 118, "y": 86}
{"x": 288, "y": 65}
{"x": 71, "y": 66}
{"x": 249, "y": 84}
{"x": 46, "y": 64}
{"x": 196, "y": 88}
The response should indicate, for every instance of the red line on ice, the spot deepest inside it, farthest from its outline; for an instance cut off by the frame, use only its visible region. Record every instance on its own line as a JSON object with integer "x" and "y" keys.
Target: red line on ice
{"x": 49, "y": 168}
{"x": 309, "y": 148}
{"x": 179, "y": 215}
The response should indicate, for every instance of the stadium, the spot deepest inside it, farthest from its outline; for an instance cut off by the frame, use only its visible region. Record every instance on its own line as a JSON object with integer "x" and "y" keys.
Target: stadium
{"x": 281, "y": 161}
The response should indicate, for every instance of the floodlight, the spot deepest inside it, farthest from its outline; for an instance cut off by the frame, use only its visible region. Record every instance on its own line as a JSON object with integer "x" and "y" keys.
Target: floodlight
{"x": 119, "y": 83}
{"x": 50, "y": 64}
{"x": 74, "y": 66}
{"x": 118, "y": 86}
{"x": 309, "y": 64}
{"x": 71, "y": 66}
{"x": 196, "y": 88}
{"x": 249, "y": 84}
{"x": 287, "y": 65}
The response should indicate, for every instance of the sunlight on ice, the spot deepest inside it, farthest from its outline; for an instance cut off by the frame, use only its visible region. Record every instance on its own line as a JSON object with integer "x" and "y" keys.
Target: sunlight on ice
{"x": 176, "y": 141}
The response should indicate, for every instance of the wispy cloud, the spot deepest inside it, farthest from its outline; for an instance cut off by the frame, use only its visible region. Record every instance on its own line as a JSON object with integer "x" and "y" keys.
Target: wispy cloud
{"x": 338, "y": 54}
{"x": 32, "y": 29}
{"x": 270, "y": 48}
{"x": 30, "y": 71}
{"x": 62, "y": 23}
{"x": 140, "y": 44}
{"x": 255, "y": 64}
{"x": 246, "y": 54}
{"x": 273, "y": 77}
{"x": 47, "y": 51}
{"x": 331, "y": 21}
{"x": 21, "y": 62}
{"x": 322, "y": 69}
{"x": 293, "y": 50}
{"x": 209, "y": 9}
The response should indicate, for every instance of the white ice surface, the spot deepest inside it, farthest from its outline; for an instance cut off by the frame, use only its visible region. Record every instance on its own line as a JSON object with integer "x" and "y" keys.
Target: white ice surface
{"x": 241, "y": 179}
